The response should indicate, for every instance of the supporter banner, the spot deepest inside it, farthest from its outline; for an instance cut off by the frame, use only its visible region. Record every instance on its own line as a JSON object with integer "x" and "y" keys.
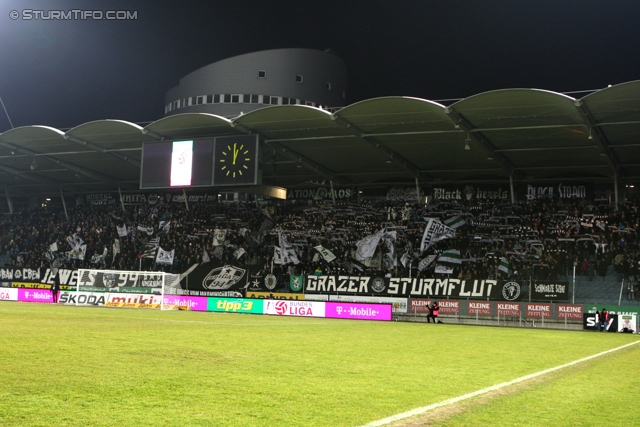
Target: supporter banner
{"x": 469, "y": 192}
{"x": 82, "y": 298}
{"x": 99, "y": 199}
{"x": 414, "y": 287}
{"x": 479, "y": 308}
{"x": 550, "y": 291}
{"x": 569, "y": 311}
{"x": 404, "y": 193}
{"x": 508, "y": 309}
{"x": 358, "y": 311}
{"x": 556, "y": 191}
{"x": 275, "y": 295}
{"x": 538, "y": 310}
{"x": 8, "y": 294}
{"x": 294, "y": 308}
{"x": 204, "y": 280}
{"x": 399, "y": 304}
{"x": 185, "y": 303}
{"x": 235, "y": 305}
{"x": 28, "y": 295}
{"x": 296, "y": 283}
{"x": 589, "y": 322}
{"x": 446, "y": 306}
{"x": 20, "y": 274}
{"x": 133, "y": 300}
{"x": 627, "y": 323}
{"x": 155, "y": 198}
{"x": 320, "y": 193}
{"x": 115, "y": 281}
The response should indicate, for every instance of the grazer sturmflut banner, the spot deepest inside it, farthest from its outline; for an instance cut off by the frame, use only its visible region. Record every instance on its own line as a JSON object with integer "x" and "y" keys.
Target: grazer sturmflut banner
{"x": 414, "y": 288}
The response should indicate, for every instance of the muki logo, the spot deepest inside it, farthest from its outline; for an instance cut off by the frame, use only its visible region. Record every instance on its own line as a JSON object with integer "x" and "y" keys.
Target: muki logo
{"x": 511, "y": 291}
{"x": 223, "y": 277}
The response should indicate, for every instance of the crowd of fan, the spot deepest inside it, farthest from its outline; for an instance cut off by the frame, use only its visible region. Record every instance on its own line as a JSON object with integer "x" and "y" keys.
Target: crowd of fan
{"x": 542, "y": 239}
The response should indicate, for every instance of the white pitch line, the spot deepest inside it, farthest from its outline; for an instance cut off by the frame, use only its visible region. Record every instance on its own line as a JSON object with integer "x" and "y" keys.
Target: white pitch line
{"x": 428, "y": 408}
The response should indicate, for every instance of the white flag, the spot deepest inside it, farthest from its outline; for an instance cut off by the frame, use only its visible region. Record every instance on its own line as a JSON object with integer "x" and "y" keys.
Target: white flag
{"x": 451, "y": 256}
{"x": 434, "y": 232}
{"x": 426, "y": 262}
{"x": 219, "y": 237}
{"x": 406, "y": 258}
{"x": 53, "y": 247}
{"x": 367, "y": 246}
{"x": 288, "y": 254}
{"x": 326, "y": 253}
{"x": 443, "y": 269}
{"x": 122, "y": 231}
{"x": 165, "y": 257}
{"x": 239, "y": 252}
{"x": 205, "y": 256}
{"x": 504, "y": 266}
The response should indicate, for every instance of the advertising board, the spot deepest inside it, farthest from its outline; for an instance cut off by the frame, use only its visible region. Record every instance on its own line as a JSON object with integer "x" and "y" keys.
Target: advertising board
{"x": 358, "y": 311}
{"x": 235, "y": 305}
{"x": 569, "y": 311}
{"x": 399, "y": 304}
{"x": 538, "y": 310}
{"x": 506, "y": 309}
{"x": 30, "y": 295}
{"x": 82, "y": 298}
{"x": 294, "y": 308}
{"x": 185, "y": 303}
{"x": 275, "y": 295}
{"x": 8, "y": 294}
{"x": 479, "y": 308}
{"x": 133, "y": 300}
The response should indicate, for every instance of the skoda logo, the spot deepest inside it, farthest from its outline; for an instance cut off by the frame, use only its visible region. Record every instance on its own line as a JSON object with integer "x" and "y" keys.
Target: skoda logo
{"x": 378, "y": 284}
{"x": 511, "y": 291}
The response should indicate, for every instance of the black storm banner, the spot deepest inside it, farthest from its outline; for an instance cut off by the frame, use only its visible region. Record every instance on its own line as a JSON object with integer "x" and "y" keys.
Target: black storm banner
{"x": 414, "y": 288}
{"x": 205, "y": 280}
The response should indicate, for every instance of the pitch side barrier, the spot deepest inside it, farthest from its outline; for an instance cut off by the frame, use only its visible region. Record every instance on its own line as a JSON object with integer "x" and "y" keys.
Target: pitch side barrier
{"x": 299, "y": 308}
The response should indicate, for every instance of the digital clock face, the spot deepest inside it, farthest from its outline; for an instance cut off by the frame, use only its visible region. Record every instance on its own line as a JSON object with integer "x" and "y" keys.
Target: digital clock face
{"x": 235, "y": 160}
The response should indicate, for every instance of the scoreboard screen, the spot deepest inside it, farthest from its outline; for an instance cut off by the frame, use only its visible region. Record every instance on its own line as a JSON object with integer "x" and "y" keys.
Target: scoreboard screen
{"x": 224, "y": 161}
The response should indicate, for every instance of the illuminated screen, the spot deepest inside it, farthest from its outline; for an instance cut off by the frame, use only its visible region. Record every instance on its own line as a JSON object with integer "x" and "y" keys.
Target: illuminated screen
{"x": 181, "y": 162}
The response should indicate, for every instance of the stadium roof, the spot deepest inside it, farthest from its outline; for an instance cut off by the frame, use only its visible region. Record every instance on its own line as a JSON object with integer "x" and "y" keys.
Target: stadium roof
{"x": 529, "y": 134}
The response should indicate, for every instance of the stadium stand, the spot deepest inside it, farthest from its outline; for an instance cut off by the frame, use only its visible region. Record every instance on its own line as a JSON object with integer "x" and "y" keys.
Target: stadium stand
{"x": 541, "y": 239}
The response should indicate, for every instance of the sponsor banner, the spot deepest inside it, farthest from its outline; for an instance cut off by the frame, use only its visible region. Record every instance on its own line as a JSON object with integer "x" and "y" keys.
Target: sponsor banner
{"x": 627, "y": 323}
{"x": 294, "y": 308}
{"x": 275, "y": 295}
{"x": 569, "y": 311}
{"x": 446, "y": 306}
{"x": 29, "y": 295}
{"x": 133, "y": 300}
{"x": 554, "y": 291}
{"x": 82, "y": 298}
{"x": 622, "y": 309}
{"x": 316, "y": 297}
{"x": 235, "y": 305}
{"x": 399, "y": 305}
{"x": 444, "y": 288}
{"x": 508, "y": 309}
{"x": 319, "y": 193}
{"x": 8, "y": 294}
{"x": 185, "y": 303}
{"x": 589, "y": 322}
{"x": 538, "y": 310}
{"x": 358, "y": 311}
{"x": 31, "y": 285}
{"x": 479, "y": 308}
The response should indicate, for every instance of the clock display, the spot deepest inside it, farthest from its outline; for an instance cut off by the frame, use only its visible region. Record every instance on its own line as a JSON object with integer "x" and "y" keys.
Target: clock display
{"x": 235, "y": 160}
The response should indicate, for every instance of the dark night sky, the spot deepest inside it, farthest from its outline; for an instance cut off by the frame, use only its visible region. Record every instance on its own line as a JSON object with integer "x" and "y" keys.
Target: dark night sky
{"x": 64, "y": 73}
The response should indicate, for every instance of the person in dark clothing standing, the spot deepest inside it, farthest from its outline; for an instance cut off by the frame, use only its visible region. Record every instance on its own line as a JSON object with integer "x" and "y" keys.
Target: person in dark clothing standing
{"x": 55, "y": 288}
{"x": 603, "y": 320}
{"x": 434, "y": 309}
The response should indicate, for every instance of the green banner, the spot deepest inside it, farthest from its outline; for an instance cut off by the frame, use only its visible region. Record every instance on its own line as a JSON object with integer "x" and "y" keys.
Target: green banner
{"x": 296, "y": 283}
{"x": 614, "y": 309}
{"x": 235, "y": 305}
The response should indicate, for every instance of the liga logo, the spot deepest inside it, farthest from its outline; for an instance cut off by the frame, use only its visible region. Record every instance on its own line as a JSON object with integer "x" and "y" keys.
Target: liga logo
{"x": 281, "y": 307}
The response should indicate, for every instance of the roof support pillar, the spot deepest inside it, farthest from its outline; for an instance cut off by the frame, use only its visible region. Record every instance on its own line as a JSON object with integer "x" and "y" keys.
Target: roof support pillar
{"x": 615, "y": 190}
{"x": 64, "y": 205}
{"x": 9, "y": 201}
{"x": 596, "y": 134}
{"x": 513, "y": 195}
{"x": 393, "y": 156}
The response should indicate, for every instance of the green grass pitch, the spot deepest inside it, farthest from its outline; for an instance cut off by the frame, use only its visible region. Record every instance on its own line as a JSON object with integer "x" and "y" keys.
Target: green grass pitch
{"x": 77, "y": 366}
